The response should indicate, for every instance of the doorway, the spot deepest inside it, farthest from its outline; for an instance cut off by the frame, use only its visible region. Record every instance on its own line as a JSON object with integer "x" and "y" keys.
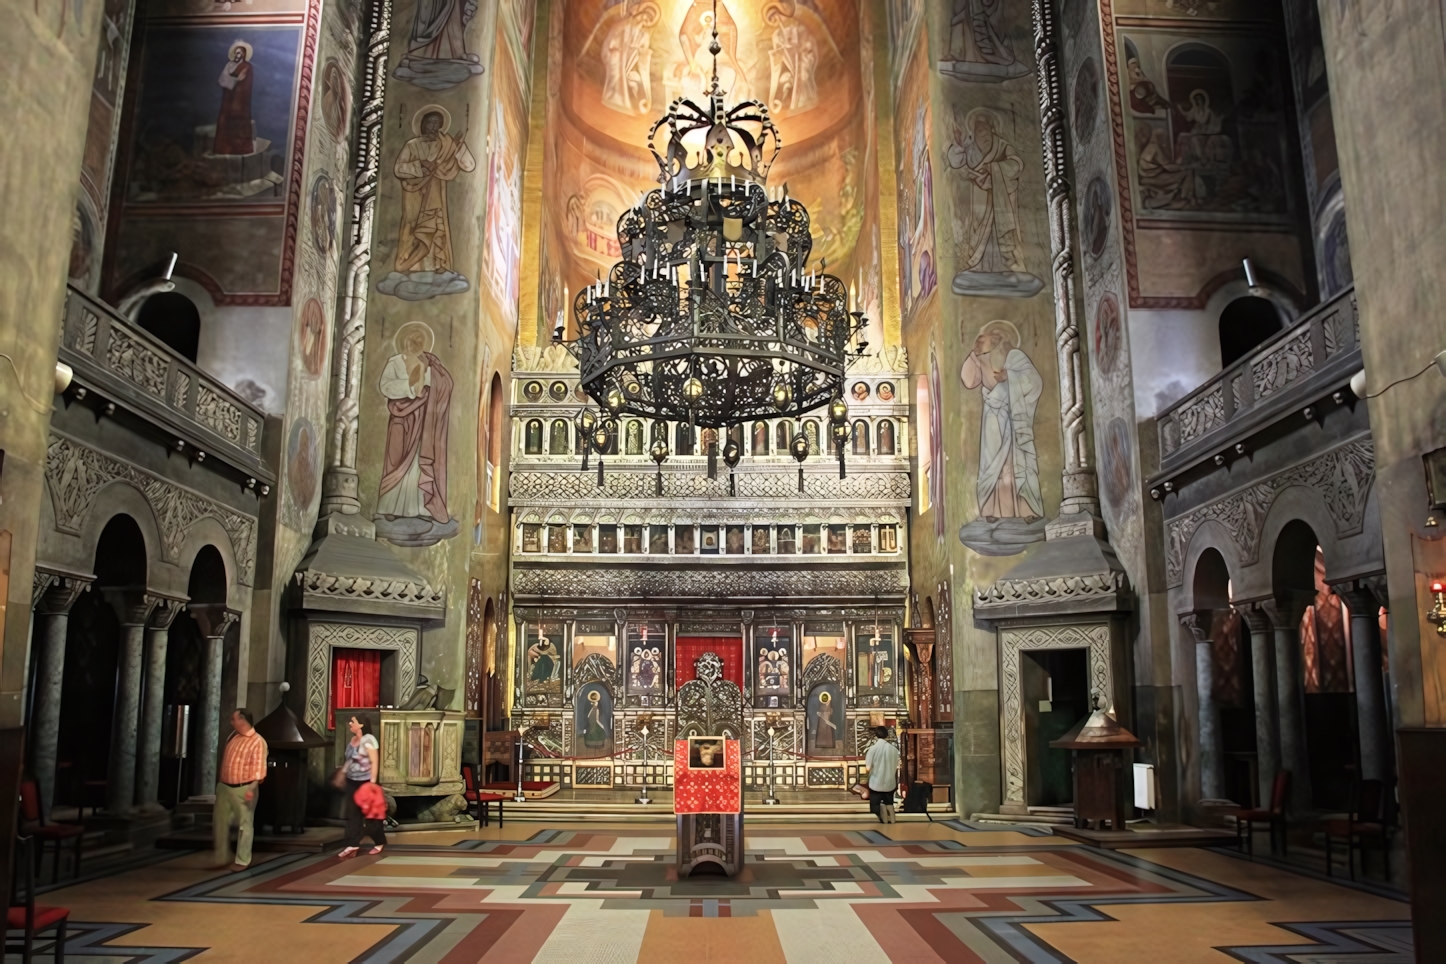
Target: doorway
{"x": 1054, "y": 687}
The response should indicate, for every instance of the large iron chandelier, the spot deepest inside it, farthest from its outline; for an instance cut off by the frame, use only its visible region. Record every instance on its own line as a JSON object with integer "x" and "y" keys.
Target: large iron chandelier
{"x": 714, "y": 315}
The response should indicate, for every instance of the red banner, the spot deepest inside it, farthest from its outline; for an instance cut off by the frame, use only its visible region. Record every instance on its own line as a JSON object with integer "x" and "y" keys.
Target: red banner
{"x": 689, "y": 648}
{"x": 356, "y": 680}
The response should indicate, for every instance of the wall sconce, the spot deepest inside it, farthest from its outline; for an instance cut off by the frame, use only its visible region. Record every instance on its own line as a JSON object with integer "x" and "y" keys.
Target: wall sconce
{"x": 1437, "y": 615}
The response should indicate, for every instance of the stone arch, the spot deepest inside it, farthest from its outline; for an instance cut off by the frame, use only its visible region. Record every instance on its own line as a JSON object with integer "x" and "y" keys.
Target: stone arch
{"x": 116, "y": 499}
{"x": 1212, "y": 536}
{"x": 1297, "y": 503}
{"x": 208, "y": 533}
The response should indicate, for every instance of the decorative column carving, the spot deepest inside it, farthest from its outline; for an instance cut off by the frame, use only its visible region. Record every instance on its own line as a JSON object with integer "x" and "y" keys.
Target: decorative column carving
{"x": 1081, "y": 489}
{"x": 1285, "y": 612}
{"x": 157, "y": 641}
{"x": 134, "y": 610}
{"x": 1262, "y": 665}
{"x": 215, "y": 621}
{"x": 340, "y": 486}
{"x": 1212, "y": 760}
{"x": 55, "y": 591}
{"x": 1371, "y": 720}
{"x": 921, "y": 647}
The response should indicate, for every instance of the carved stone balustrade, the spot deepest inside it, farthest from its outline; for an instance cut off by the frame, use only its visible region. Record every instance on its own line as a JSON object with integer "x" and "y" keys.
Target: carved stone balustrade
{"x": 1302, "y": 366}
{"x": 118, "y": 363}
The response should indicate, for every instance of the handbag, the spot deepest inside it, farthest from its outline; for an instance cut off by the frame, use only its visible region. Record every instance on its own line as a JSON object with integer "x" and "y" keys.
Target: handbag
{"x": 338, "y": 779}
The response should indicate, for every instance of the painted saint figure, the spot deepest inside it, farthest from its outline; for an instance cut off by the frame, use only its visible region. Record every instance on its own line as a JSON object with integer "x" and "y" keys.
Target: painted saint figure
{"x": 627, "y": 54}
{"x": 541, "y": 661}
{"x": 825, "y": 731}
{"x": 987, "y": 234}
{"x": 412, "y": 503}
{"x": 426, "y": 164}
{"x": 436, "y": 56}
{"x": 1011, "y": 505}
{"x": 594, "y": 734}
{"x": 978, "y": 49}
{"x": 235, "y": 130}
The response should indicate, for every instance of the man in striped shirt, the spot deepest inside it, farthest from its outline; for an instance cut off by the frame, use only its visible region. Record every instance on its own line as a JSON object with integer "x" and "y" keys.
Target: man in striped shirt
{"x": 243, "y": 767}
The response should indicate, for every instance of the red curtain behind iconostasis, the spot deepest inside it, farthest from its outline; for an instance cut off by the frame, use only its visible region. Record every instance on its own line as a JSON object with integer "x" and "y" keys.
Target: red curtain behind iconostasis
{"x": 356, "y": 680}
{"x": 689, "y": 648}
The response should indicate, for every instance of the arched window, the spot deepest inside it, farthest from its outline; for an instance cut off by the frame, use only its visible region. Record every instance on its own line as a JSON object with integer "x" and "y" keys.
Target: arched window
{"x": 557, "y": 437}
{"x": 173, "y": 318}
{"x": 494, "y": 442}
{"x": 885, "y": 437}
{"x": 760, "y": 438}
{"x": 532, "y": 441}
{"x": 1244, "y": 324}
{"x": 782, "y": 435}
{"x": 635, "y": 437}
{"x": 861, "y": 437}
{"x": 659, "y": 434}
{"x": 685, "y": 439}
{"x": 810, "y": 432}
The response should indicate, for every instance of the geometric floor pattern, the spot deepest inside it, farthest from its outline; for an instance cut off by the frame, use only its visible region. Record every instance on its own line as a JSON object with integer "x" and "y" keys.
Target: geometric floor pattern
{"x": 807, "y": 893}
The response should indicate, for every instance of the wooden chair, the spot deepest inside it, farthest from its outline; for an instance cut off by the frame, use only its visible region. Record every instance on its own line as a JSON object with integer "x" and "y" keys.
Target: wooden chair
{"x": 30, "y": 917}
{"x": 1274, "y": 817}
{"x": 1366, "y": 820}
{"x": 32, "y": 822}
{"x": 481, "y": 798}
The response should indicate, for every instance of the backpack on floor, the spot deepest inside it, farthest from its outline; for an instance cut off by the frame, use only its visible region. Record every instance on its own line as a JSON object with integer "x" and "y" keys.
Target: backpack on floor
{"x": 916, "y": 799}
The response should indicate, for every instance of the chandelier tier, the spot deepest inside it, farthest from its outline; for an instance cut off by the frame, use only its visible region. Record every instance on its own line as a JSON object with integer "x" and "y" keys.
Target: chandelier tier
{"x": 714, "y": 314}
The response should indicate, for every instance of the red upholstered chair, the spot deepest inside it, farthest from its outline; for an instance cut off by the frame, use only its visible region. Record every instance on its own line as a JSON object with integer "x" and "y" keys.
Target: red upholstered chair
{"x": 1274, "y": 817}
{"x": 29, "y": 917}
{"x": 32, "y": 822}
{"x": 481, "y": 798}
{"x": 1365, "y": 821}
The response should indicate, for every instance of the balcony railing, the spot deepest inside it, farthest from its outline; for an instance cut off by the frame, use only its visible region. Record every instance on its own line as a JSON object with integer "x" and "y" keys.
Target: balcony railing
{"x": 1314, "y": 356}
{"x": 130, "y": 367}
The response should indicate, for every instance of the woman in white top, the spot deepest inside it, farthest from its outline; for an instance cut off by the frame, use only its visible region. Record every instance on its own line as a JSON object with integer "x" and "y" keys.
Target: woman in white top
{"x": 361, "y": 768}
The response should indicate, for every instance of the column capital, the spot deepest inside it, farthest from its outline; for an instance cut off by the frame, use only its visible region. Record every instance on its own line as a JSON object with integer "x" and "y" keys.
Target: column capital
{"x": 166, "y": 610}
{"x": 1197, "y": 625}
{"x": 1285, "y": 609}
{"x": 132, "y": 605}
{"x": 1257, "y": 619}
{"x": 55, "y": 590}
{"x": 213, "y": 618}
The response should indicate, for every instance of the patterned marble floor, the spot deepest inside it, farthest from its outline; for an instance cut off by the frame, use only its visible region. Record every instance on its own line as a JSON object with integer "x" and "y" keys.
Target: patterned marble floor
{"x": 834, "y": 894}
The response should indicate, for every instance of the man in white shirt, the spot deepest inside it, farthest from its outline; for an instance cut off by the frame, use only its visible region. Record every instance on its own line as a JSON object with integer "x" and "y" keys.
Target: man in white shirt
{"x": 882, "y": 761}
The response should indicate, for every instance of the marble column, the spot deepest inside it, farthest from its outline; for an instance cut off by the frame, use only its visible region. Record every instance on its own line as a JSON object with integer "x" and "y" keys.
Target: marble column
{"x": 1212, "y": 758}
{"x": 1262, "y": 666}
{"x": 157, "y": 639}
{"x": 214, "y": 621}
{"x": 1285, "y": 612}
{"x": 1372, "y": 728}
{"x": 134, "y": 610}
{"x": 54, "y": 593}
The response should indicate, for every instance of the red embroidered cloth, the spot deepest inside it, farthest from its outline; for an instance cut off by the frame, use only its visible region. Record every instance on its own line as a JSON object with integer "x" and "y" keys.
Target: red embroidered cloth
{"x": 708, "y": 789}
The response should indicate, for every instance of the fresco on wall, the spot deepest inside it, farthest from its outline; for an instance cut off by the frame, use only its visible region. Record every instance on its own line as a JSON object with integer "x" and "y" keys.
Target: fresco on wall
{"x": 211, "y": 153}
{"x": 918, "y": 264}
{"x": 303, "y": 470}
{"x": 437, "y": 57}
{"x": 1011, "y": 503}
{"x": 427, "y": 164}
{"x": 213, "y": 116}
{"x": 506, "y": 145}
{"x": 412, "y": 498}
{"x": 1117, "y": 468}
{"x": 984, "y": 176}
{"x": 937, "y": 476}
{"x": 1204, "y": 125}
{"x": 979, "y": 50}
{"x": 312, "y": 338}
{"x": 336, "y": 99}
